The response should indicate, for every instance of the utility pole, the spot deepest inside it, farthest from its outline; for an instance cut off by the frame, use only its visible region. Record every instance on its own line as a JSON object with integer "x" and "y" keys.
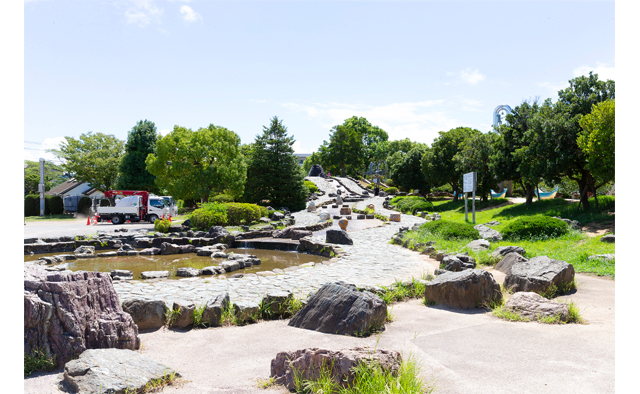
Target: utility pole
{"x": 41, "y": 187}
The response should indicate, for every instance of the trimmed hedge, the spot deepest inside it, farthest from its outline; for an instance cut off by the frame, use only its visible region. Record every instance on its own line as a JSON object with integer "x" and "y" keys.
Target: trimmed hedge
{"x": 162, "y": 225}
{"x": 537, "y": 226}
{"x": 222, "y": 198}
{"x": 312, "y": 186}
{"x": 451, "y": 230}
{"x": 411, "y": 204}
{"x": 230, "y": 214}
{"x": 53, "y": 205}
{"x": 391, "y": 190}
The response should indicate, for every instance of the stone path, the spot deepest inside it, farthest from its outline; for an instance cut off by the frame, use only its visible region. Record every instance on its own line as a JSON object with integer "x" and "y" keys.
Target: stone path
{"x": 371, "y": 261}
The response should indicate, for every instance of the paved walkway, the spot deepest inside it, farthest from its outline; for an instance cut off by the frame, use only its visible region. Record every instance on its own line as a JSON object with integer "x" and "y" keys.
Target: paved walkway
{"x": 371, "y": 260}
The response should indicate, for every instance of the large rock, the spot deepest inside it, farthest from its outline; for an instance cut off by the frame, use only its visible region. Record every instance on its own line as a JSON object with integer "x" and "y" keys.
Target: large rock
{"x": 67, "y": 313}
{"x": 168, "y": 248}
{"x": 479, "y": 244}
{"x": 609, "y": 238}
{"x": 85, "y": 249}
{"x": 154, "y": 274}
{"x": 339, "y": 308}
{"x": 533, "y": 306}
{"x": 488, "y": 233}
{"x": 277, "y": 216}
{"x": 121, "y": 275}
{"x": 150, "y": 251}
{"x": 308, "y": 364}
{"x": 182, "y": 314}
{"x": 284, "y": 233}
{"x": 188, "y": 272}
{"x": 466, "y": 289}
{"x": 113, "y": 371}
{"x": 335, "y": 236}
{"x": 504, "y": 250}
{"x": 212, "y": 315}
{"x": 147, "y": 314}
{"x": 316, "y": 170}
{"x": 297, "y": 234}
{"x": 456, "y": 264}
{"x": 505, "y": 264}
{"x": 538, "y": 274}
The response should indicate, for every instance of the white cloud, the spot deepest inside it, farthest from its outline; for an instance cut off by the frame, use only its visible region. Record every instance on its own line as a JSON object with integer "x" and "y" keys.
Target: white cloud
{"x": 142, "y": 12}
{"x": 164, "y": 132}
{"x": 469, "y": 76}
{"x": 604, "y": 72}
{"x": 189, "y": 15}
{"x": 297, "y": 148}
{"x": 419, "y": 121}
{"x": 34, "y": 152}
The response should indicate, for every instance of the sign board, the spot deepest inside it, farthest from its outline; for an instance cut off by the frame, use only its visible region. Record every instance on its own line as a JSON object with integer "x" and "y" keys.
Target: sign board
{"x": 375, "y": 180}
{"x": 468, "y": 183}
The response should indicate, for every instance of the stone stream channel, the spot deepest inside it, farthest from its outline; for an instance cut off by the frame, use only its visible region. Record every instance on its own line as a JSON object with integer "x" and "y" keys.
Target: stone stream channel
{"x": 371, "y": 261}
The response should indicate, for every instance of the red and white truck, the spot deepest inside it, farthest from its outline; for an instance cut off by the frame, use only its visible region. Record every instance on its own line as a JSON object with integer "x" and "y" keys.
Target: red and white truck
{"x": 135, "y": 205}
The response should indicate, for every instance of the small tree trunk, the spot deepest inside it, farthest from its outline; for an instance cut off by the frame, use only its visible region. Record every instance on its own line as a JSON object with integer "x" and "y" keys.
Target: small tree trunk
{"x": 342, "y": 170}
{"x": 583, "y": 186}
{"x": 529, "y": 189}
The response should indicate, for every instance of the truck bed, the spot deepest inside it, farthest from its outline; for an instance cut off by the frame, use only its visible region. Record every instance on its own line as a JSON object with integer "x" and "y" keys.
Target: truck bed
{"x": 112, "y": 210}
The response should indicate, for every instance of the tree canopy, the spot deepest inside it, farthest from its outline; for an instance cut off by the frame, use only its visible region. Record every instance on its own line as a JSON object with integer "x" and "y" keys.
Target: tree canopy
{"x": 407, "y": 173}
{"x": 273, "y": 173}
{"x": 197, "y": 164}
{"x": 53, "y": 176}
{"x": 93, "y": 158}
{"x": 475, "y": 155}
{"x": 598, "y": 140}
{"x": 141, "y": 142}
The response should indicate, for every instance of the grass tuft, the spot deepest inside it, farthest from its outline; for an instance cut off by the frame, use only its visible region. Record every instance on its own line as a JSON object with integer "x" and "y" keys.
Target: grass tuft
{"x": 38, "y": 361}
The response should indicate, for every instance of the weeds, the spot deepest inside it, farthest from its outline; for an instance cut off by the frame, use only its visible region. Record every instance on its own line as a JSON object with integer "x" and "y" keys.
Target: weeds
{"x": 38, "y": 361}
{"x": 197, "y": 316}
{"x": 553, "y": 291}
{"x": 154, "y": 385}
{"x": 266, "y": 383}
{"x": 228, "y": 317}
{"x": 171, "y": 315}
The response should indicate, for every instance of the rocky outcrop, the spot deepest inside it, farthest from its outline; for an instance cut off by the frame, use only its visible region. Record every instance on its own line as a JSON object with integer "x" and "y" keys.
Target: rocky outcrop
{"x": 466, "y": 289}
{"x": 538, "y": 274}
{"x": 533, "y": 306}
{"x": 339, "y": 308}
{"x": 188, "y": 272}
{"x": 67, "y": 313}
{"x": 316, "y": 170}
{"x": 212, "y": 315}
{"x": 504, "y": 250}
{"x": 335, "y": 236}
{"x": 297, "y": 234}
{"x": 457, "y": 263}
{"x": 309, "y": 363}
{"x": 479, "y": 244}
{"x": 112, "y": 371}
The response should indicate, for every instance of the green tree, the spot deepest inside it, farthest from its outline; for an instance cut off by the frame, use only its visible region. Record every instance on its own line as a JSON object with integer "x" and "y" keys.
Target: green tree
{"x": 273, "y": 173}
{"x": 141, "y": 141}
{"x": 408, "y": 172}
{"x": 197, "y": 164}
{"x": 557, "y": 129}
{"x": 438, "y": 166}
{"x": 344, "y": 152}
{"x": 511, "y": 160}
{"x": 93, "y": 158}
{"x": 598, "y": 141}
{"x": 53, "y": 176}
{"x": 476, "y": 156}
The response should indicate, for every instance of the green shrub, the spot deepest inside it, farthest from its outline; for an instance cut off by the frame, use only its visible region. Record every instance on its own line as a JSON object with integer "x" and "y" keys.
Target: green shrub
{"x": 312, "y": 186}
{"x": 241, "y": 213}
{"x": 451, "y": 230}
{"x": 162, "y": 225}
{"x": 422, "y": 206}
{"x": 264, "y": 212}
{"x": 31, "y": 205}
{"x": 411, "y": 204}
{"x": 535, "y": 227}
{"x": 209, "y": 214}
{"x": 391, "y": 190}
{"x": 221, "y": 198}
{"x": 84, "y": 206}
{"x": 388, "y": 182}
{"x": 370, "y": 186}
{"x": 56, "y": 205}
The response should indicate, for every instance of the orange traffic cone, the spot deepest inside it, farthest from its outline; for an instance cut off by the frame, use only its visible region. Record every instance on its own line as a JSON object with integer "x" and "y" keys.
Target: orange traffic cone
{"x": 88, "y": 221}
{"x": 163, "y": 216}
{"x": 169, "y": 218}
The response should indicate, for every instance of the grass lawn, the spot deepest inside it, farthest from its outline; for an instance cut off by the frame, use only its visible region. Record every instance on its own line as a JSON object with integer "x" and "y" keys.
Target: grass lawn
{"x": 574, "y": 247}
{"x": 48, "y": 218}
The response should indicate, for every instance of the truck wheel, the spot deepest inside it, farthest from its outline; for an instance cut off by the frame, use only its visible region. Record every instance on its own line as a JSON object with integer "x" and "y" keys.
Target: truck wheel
{"x": 153, "y": 218}
{"x": 116, "y": 219}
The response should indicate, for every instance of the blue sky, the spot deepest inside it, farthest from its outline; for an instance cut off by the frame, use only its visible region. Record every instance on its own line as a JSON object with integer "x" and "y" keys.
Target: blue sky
{"x": 412, "y": 68}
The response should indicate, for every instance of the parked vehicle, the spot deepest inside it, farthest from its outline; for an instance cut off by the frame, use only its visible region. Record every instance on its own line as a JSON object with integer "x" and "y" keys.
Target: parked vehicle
{"x": 172, "y": 204}
{"x": 135, "y": 206}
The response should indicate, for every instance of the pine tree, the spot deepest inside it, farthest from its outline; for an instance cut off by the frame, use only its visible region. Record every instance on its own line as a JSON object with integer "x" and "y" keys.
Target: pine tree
{"x": 273, "y": 173}
{"x": 133, "y": 170}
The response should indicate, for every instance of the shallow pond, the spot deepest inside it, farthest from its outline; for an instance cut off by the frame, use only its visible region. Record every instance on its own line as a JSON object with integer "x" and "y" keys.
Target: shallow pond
{"x": 270, "y": 259}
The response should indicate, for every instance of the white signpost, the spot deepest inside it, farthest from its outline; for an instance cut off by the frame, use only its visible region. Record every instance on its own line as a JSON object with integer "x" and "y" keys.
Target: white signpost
{"x": 469, "y": 186}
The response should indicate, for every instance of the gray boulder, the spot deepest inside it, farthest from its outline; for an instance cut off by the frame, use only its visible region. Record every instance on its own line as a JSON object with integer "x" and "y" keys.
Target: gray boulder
{"x": 603, "y": 257}
{"x": 471, "y": 288}
{"x": 456, "y": 264}
{"x": 219, "y": 255}
{"x": 277, "y": 216}
{"x": 306, "y": 364}
{"x": 216, "y": 231}
{"x": 504, "y": 250}
{"x": 505, "y": 264}
{"x": 168, "y": 248}
{"x": 246, "y": 311}
{"x": 212, "y": 270}
{"x": 335, "y": 236}
{"x": 316, "y": 170}
{"x": 297, "y": 234}
{"x": 479, "y": 244}
{"x": 154, "y": 274}
{"x": 609, "y": 238}
{"x": 212, "y": 314}
{"x": 182, "y": 316}
{"x": 147, "y": 314}
{"x": 85, "y": 249}
{"x": 533, "y": 306}
{"x": 121, "y": 275}
{"x": 538, "y": 274}
{"x": 231, "y": 265}
{"x": 188, "y": 272}
{"x": 339, "y": 308}
{"x": 149, "y": 251}
{"x": 284, "y": 233}
{"x": 275, "y": 302}
{"x": 112, "y": 371}
{"x": 488, "y": 233}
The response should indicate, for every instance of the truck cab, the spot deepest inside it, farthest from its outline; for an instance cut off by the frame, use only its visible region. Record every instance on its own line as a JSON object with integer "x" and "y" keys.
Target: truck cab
{"x": 171, "y": 204}
{"x": 132, "y": 206}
